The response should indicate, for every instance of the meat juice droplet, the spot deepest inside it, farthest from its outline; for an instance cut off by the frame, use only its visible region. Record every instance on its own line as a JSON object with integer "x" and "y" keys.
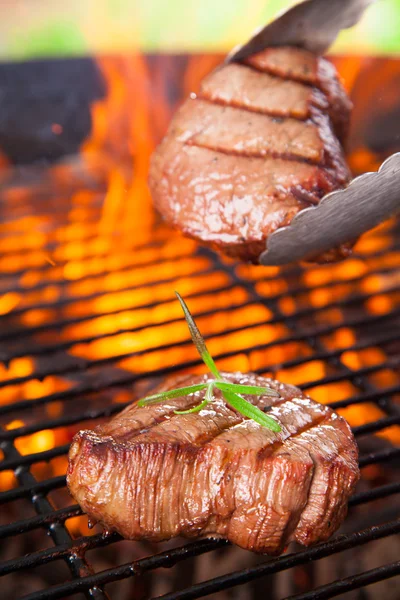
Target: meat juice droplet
{"x": 91, "y": 523}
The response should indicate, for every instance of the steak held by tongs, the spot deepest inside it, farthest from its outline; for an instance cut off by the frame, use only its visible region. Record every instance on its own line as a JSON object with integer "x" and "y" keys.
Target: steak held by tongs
{"x": 261, "y": 141}
{"x": 254, "y": 164}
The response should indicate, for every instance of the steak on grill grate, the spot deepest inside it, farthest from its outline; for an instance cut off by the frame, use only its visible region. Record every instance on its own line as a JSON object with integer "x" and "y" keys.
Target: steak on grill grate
{"x": 259, "y": 143}
{"x": 152, "y": 474}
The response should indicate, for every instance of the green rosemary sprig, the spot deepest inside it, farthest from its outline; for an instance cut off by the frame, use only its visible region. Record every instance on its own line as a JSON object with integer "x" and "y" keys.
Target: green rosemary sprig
{"x": 230, "y": 391}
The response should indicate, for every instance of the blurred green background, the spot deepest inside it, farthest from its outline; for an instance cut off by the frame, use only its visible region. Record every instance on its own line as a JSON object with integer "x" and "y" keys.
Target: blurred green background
{"x": 37, "y": 28}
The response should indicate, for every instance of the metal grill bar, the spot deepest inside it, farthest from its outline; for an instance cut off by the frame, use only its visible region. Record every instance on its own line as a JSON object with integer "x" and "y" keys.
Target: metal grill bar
{"x": 56, "y": 516}
{"x": 32, "y": 489}
{"x": 375, "y": 494}
{"x": 332, "y": 354}
{"x": 30, "y": 459}
{"x": 126, "y": 268}
{"x": 61, "y": 551}
{"x": 354, "y": 374}
{"x": 160, "y": 237}
{"x": 57, "y": 325}
{"x": 32, "y": 351}
{"x": 128, "y": 379}
{"x": 13, "y": 434}
{"x": 17, "y": 312}
{"x": 47, "y": 268}
{"x": 289, "y": 275}
{"x": 326, "y": 355}
{"x": 50, "y": 348}
{"x": 289, "y": 271}
{"x": 163, "y": 559}
{"x": 350, "y": 583}
{"x": 367, "y": 397}
{"x": 217, "y": 584}
{"x": 76, "y": 392}
{"x": 356, "y": 298}
{"x": 157, "y": 240}
{"x": 21, "y": 249}
{"x": 83, "y": 364}
{"x": 57, "y": 531}
{"x": 376, "y": 425}
{"x": 381, "y": 456}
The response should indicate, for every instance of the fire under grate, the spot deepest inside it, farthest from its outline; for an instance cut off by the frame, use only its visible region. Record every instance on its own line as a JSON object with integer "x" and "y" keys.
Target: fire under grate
{"x": 88, "y": 322}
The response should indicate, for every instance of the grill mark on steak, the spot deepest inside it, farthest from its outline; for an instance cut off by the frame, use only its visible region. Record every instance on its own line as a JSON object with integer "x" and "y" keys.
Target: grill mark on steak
{"x": 301, "y": 194}
{"x": 160, "y": 431}
{"x": 128, "y": 436}
{"x": 289, "y": 76}
{"x": 234, "y": 419}
{"x": 242, "y": 86}
{"x": 270, "y": 449}
{"x": 219, "y": 413}
{"x": 289, "y": 63}
{"x": 239, "y": 131}
{"x": 211, "y": 134}
{"x": 267, "y": 153}
{"x": 275, "y": 114}
{"x": 146, "y": 419}
{"x": 321, "y": 74}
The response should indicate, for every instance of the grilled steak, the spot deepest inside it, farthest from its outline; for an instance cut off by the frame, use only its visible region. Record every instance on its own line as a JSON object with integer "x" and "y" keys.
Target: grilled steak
{"x": 151, "y": 474}
{"x": 261, "y": 141}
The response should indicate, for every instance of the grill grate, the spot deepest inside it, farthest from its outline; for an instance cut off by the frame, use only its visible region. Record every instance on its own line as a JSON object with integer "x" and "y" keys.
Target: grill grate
{"x": 336, "y": 372}
{"x": 87, "y": 322}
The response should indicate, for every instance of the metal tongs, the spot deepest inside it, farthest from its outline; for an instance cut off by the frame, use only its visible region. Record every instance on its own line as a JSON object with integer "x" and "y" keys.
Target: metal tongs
{"x": 368, "y": 200}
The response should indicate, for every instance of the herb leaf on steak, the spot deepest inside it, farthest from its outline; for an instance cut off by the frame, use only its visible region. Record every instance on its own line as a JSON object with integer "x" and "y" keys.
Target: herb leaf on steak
{"x": 230, "y": 391}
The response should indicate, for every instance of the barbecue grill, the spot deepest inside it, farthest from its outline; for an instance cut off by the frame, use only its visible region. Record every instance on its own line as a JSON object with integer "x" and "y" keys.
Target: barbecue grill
{"x": 89, "y": 321}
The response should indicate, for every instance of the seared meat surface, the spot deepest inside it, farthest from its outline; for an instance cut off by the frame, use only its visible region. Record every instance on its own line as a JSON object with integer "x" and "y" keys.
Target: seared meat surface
{"x": 152, "y": 474}
{"x": 260, "y": 141}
